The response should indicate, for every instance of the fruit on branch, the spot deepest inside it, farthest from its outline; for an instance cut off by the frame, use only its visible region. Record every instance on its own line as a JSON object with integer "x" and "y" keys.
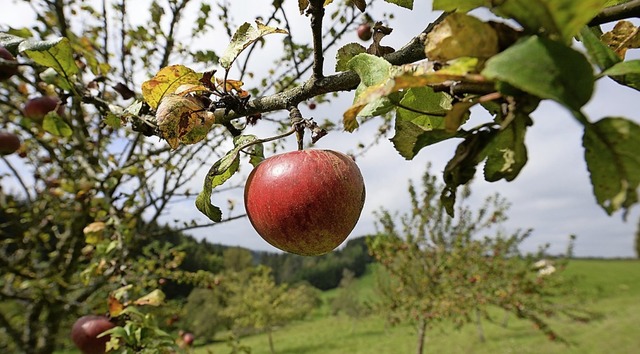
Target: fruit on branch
{"x": 38, "y": 107}
{"x": 7, "y": 71}
{"x": 305, "y": 202}
{"x": 9, "y": 143}
{"x": 364, "y": 32}
{"x": 85, "y": 331}
{"x": 312, "y": 105}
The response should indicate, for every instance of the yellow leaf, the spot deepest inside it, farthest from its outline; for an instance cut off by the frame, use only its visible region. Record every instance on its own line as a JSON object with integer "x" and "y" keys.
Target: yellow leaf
{"x": 166, "y": 81}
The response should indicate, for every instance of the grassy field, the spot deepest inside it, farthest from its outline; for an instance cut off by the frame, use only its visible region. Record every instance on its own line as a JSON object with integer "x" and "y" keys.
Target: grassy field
{"x": 613, "y": 288}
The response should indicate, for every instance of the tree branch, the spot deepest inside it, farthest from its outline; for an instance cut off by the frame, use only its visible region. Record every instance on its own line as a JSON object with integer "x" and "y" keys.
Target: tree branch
{"x": 618, "y": 12}
{"x": 316, "y": 9}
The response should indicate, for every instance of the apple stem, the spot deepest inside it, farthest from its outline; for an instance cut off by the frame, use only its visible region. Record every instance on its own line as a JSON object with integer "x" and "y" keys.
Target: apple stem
{"x": 298, "y": 124}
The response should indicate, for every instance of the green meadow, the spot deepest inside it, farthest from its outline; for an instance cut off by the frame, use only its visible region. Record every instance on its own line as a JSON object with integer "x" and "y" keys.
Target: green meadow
{"x": 612, "y": 289}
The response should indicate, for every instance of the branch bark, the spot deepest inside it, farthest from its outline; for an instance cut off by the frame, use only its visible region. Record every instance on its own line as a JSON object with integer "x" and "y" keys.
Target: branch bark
{"x": 618, "y": 12}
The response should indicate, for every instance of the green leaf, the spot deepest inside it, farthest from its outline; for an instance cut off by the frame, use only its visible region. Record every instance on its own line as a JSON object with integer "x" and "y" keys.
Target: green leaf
{"x": 420, "y": 121}
{"x": 556, "y": 19}
{"x": 54, "y": 124}
{"x": 113, "y": 120}
{"x": 166, "y": 81}
{"x": 611, "y": 151}
{"x": 345, "y": 54}
{"x": 373, "y": 71}
{"x": 408, "y": 4}
{"x": 219, "y": 173}
{"x": 462, "y": 167}
{"x": 507, "y": 152}
{"x": 458, "y": 5}
{"x": 599, "y": 53}
{"x": 243, "y": 38}
{"x": 55, "y": 53}
{"x": 546, "y": 69}
{"x": 626, "y": 73}
{"x": 623, "y": 68}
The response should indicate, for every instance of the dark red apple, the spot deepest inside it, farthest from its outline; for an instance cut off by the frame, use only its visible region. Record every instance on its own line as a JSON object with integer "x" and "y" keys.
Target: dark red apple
{"x": 9, "y": 143}
{"x": 188, "y": 338}
{"x": 37, "y": 108}
{"x": 86, "y": 330}
{"x": 364, "y": 32}
{"x": 305, "y": 202}
{"x": 7, "y": 71}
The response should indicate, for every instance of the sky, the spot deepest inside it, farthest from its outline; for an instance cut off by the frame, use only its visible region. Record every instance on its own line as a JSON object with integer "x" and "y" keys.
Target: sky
{"x": 552, "y": 195}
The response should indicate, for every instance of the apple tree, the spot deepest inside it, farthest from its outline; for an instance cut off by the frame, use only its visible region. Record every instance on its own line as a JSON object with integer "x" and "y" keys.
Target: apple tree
{"x": 256, "y": 302}
{"x": 436, "y": 269}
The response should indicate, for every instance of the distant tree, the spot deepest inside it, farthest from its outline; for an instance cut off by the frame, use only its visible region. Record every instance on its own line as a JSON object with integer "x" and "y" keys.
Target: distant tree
{"x": 202, "y": 313}
{"x": 436, "y": 268}
{"x": 237, "y": 259}
{"x": 257, "y": 302}
{"x": 348, "y": 300}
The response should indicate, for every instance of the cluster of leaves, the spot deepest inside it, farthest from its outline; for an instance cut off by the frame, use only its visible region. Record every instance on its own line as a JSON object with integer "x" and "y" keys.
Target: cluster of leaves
{"x": 435, "y": 269}
{"x": 506, "y": 71}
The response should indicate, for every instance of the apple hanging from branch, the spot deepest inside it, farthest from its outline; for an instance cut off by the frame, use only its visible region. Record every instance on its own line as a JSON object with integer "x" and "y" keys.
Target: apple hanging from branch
{"x": 305, "y": 202}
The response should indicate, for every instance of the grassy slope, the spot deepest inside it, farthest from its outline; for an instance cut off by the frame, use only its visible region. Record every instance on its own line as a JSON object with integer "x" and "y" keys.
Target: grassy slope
{"x": 613, "y": 286}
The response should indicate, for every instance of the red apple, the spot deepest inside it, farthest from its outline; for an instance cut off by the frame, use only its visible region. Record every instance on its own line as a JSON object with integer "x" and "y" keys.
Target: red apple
{"x": 364, "y": 32}
{"x": 86, "y": 330}
{"x": 7, "y": 71}
{"x": 9, "y": 143}
{"x": 188, "y": 338}
{"x": 305, "y": 202}
{"x": 37, "y": 108}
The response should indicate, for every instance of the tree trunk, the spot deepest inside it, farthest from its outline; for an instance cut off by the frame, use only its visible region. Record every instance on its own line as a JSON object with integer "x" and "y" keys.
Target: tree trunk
{"x": 479, "y": 326}
{"x": 273, "y": 351}
{"x": 422, "y": 330}
{"x": 505, "y": 320}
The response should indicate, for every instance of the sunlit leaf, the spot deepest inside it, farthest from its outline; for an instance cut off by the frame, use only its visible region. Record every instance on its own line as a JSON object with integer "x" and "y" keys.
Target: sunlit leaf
{"x": 166, "y": 81}
{"x": 243, "y": 38}
{"x": 611, "y": 151}
{"x": 115, "y": 306}
{"x": 546, "y": 69}
{"x": 55, "y": 53}
{"x": 373, "y": 71}
{"x": 461, "y": 35}
{"x": 154, "y": 298}
{"x": 397, "y": 78}
{"x": 56, "y": 125}
{"x": 219, "y": 173}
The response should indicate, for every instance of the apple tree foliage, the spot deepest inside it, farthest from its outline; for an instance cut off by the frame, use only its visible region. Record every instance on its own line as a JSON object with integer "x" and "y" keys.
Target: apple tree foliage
{"x": 429, "y": 86}
{"x": 434, "y": 268}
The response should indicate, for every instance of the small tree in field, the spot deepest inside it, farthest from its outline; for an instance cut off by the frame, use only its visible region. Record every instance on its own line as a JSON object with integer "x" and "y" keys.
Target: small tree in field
{"x": 435, "y": 268}
{"x": 257, "y": 302}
